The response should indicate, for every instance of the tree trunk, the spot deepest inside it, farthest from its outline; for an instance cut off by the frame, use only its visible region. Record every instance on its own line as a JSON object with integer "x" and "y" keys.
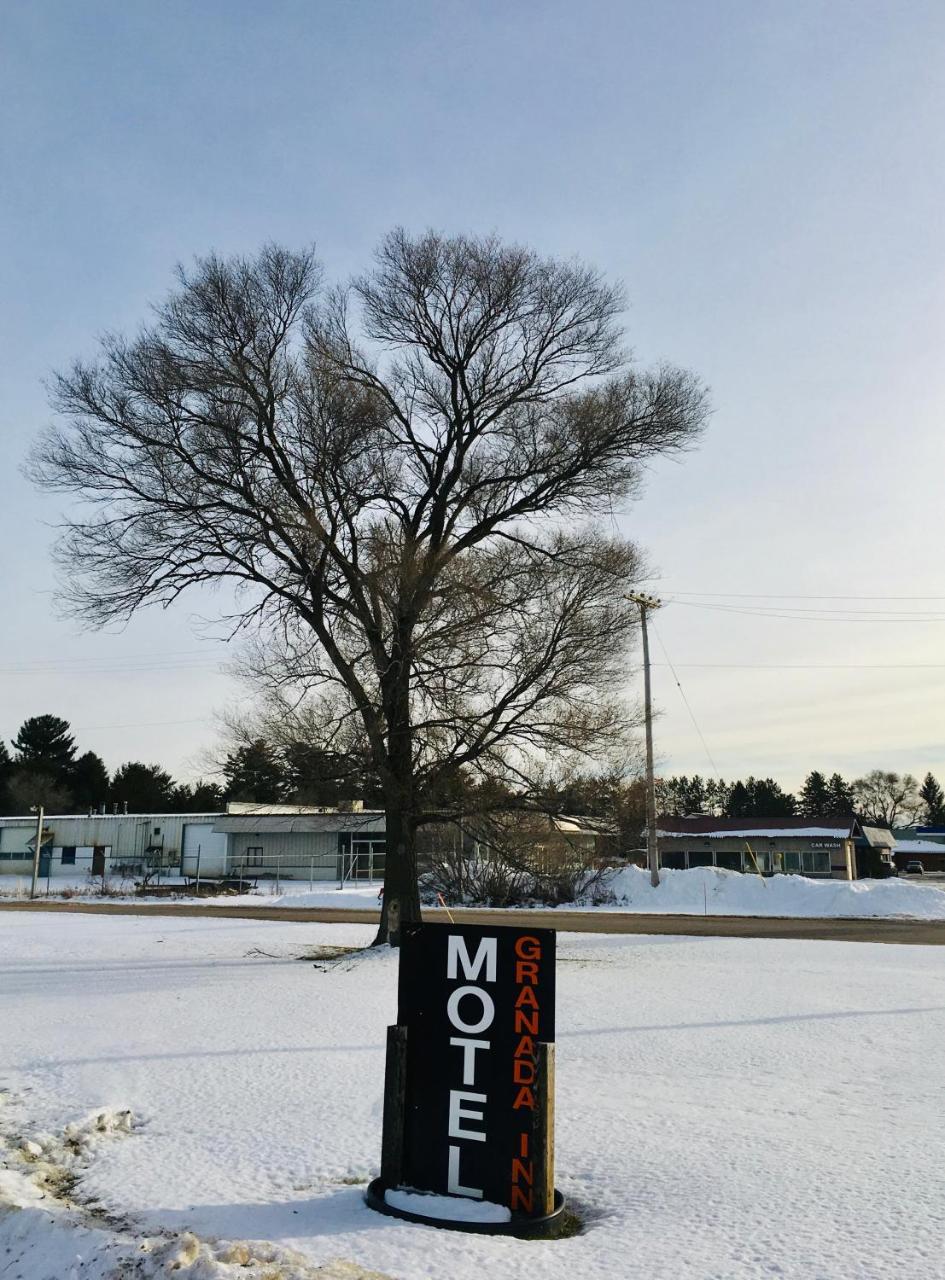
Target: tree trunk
{"x": 401, "y": 904}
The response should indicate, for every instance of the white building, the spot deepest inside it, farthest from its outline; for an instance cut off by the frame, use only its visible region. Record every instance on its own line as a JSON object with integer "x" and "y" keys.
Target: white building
{"x": 257, "y": 841}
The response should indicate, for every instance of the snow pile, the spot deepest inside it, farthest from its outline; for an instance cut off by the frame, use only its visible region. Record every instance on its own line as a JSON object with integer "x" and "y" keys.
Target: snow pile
{"x": 716, "y": 892}
{"x": 447, "y": 1208}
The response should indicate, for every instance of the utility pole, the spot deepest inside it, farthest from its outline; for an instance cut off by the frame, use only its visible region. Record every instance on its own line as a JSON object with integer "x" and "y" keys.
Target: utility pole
{"x": 652, "y": 854}
{"x": 39, "y": 845}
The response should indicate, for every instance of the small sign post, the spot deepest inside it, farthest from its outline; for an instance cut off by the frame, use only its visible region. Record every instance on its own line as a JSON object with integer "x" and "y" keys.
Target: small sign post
{"x": 469, "y": 1090}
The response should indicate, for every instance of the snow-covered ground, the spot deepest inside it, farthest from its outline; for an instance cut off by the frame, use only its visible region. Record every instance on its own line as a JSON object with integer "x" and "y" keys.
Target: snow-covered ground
{"x": 728, "y": 1109}
{"x": 706, "y": 891}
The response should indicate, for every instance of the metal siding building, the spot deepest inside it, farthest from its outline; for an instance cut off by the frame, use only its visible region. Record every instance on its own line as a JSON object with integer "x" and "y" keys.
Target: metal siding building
{"x": 288, "y": 843}
{"x": 314, "y": 846}
{"x": 101, "y": 842}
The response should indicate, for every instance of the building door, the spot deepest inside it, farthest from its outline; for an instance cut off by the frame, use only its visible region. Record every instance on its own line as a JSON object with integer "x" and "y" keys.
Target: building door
{"x": 98, "y": 860}
{"x": 368, "y": 859}
{"x": 45, "y": 860}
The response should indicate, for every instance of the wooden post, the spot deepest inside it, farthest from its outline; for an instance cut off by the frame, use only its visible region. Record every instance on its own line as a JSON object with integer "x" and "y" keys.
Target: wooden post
{"x": 543, "y": 1133}
{"x": 395, "y": 1101}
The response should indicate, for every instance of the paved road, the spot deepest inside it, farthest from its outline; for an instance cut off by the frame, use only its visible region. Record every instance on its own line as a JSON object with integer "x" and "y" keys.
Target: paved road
{"x": 916, "y": 932}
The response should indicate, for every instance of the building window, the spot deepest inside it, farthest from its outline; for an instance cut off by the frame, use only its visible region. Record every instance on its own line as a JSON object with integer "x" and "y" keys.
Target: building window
{"x": 817, "y": 862}
{"x": 157, "y": 831}
{"x": 730, "y": 861}
{"x": 68, "y": 855}
{"x": 674, "y": 861}
{"x": 254, "y": 855}
{"x": 700, "y": 859}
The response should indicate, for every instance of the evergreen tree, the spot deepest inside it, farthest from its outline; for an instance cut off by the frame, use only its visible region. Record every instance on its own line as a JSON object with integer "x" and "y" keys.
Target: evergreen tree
{"x": 45, "y": 744}
{"x": 144, "y": 788}
{"x": 693, "y": 795}
{"x": 814, "y": 799}
{"x": 738, "y": 801}
{"x": 841, "y": 803}
{"x": 6, "y": 773}
{"x": 769, "y": 800}
{"x": 716, "y": 797}
{"x": 759, "y": 798}
{"x": 255, "y": 772}
{"x": 933, "y": 800}
{"x": 198, "y": 797}
{"x": 88, "y": 781}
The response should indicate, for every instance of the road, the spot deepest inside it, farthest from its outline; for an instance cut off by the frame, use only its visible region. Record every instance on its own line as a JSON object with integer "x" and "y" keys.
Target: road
{"x": 913, "y": 932}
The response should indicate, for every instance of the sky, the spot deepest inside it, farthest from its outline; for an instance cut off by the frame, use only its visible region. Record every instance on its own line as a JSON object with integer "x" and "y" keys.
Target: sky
{"x": 766, "y": 179}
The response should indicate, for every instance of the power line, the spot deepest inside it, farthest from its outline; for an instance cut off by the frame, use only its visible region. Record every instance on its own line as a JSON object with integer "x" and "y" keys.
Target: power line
{"x": 761, "y": 595}
{"x": 825, "y": 615}
{"x": 715, "y": 768}
{"x": 126, "y": 657}
{"x": 815, "y": 666}
{"x": 143, "y": 724}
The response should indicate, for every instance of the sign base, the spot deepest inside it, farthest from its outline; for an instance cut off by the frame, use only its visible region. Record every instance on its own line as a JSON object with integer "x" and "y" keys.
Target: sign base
{"x": 524, "y": 1228}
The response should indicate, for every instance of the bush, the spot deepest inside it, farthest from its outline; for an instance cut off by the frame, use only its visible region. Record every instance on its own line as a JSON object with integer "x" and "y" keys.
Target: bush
{"x": 487, "y": 880}
{"x": 494, "y": 879}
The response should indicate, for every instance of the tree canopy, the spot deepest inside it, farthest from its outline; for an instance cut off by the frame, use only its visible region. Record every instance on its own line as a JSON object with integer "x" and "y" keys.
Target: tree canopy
{"x": 406, "y": 476}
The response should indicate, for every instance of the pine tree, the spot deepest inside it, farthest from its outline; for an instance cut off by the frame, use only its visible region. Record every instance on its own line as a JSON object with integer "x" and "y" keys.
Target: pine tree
{"x": 255, "y": 772}
{"x": 759, "y": 798}
{"x": 933, "y": 800}
{"x": 197, "y": 797}
{"x": 88, "y": 781}
{"x": 840, "y": 802}
{"x": 45, "y": 745}
{"x": 144, "y": 788}
{"x": 814, "y": 798}
{"x": 716, "y": 797}
{"x": 6, "y": 773}
{"x": 694, "y": 795}
{"x": 738, "y": 801}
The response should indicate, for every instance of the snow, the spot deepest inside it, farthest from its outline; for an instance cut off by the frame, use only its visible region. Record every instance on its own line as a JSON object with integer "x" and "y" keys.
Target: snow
{"x": 716, "y": 892}
{"x": 702, "y": 891}
{"x": 749, "y": 833}
{"x": 728, "y": 1109}
{"x": 447, "y": 1208}
{"x": 919, "y": 846}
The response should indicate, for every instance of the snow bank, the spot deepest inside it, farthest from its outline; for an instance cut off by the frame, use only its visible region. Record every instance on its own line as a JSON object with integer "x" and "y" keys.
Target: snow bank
{"x": 716, "y": 892}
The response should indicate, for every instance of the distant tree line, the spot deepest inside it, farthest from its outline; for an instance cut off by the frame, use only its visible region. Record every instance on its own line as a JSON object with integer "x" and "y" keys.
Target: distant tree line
{"x": 45, "y": 769}
{"x": 880, "y": 797}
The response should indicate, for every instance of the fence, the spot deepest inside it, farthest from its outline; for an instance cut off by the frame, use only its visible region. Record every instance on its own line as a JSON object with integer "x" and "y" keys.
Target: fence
{"x": 354, "y": 866}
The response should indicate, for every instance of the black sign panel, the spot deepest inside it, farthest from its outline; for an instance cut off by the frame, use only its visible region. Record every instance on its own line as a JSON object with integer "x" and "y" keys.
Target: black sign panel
{"x": 476, "y": 1002}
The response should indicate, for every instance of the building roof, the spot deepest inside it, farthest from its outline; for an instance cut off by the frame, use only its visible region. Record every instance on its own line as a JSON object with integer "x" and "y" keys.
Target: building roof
{"x": 29, "y": 819}
{"x": 919, "y": 846}
{"x": 760, "y": 828}
{"x": 878, "y": 837}
{"x": 369, "y": 820}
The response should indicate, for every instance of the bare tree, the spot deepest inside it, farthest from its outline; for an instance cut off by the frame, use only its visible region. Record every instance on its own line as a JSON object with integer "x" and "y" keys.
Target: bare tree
{"x": 408, "y": 478}
{"x": 887, "y": 799}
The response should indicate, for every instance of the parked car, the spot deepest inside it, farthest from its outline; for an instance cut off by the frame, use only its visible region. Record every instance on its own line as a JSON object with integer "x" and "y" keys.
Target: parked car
{"x": 915, "y": 868}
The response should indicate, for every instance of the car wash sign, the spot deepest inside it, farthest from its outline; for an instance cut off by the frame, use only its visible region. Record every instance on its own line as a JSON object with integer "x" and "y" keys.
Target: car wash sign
{"x": 476, "y": 1004}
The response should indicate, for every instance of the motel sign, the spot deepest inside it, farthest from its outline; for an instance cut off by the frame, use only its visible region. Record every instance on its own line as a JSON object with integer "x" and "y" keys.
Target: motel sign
{"x": 476, "y": 1012}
